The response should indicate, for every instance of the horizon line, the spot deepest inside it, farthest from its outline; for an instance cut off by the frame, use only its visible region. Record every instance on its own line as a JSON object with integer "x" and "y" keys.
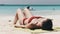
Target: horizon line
{"x": 29, "y": 4}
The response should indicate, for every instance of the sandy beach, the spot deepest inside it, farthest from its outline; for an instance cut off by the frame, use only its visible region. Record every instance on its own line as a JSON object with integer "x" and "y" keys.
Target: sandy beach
{"x": 6, "y": 25}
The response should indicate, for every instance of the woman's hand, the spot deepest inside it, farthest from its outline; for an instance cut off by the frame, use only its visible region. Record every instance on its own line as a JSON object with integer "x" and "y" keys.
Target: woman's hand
{"x": 21, "y": 26}
{"x": 17, "y": 26}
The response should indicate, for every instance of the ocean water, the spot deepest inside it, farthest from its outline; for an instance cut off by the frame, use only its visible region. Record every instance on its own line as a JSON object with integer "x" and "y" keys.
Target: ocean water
{"x": 37, "y": 10}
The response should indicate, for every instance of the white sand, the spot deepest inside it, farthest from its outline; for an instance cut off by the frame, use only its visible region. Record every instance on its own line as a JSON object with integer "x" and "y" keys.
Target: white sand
{"x": 6, "y": 27}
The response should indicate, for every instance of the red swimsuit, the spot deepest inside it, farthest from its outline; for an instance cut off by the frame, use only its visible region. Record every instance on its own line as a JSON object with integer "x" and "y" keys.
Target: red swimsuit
{"x": 30, "y": 19}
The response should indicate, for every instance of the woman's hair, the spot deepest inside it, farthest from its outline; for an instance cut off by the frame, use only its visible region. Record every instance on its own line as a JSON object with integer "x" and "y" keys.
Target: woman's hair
{"x": 47, "y": 25}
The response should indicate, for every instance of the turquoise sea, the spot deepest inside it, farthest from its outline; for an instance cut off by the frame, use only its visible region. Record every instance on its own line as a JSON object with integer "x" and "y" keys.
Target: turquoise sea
{"x": 42, "y": 10}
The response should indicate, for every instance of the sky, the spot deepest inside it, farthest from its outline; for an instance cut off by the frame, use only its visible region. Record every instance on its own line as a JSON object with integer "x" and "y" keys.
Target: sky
{"x": 29, "y": 1}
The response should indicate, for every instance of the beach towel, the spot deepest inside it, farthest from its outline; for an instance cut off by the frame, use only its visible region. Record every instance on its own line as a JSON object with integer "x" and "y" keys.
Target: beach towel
{"x": 38, "y": 31}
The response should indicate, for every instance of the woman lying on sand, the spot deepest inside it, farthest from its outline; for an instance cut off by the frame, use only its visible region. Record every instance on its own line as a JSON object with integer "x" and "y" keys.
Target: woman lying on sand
{"x": 27, "y": 20}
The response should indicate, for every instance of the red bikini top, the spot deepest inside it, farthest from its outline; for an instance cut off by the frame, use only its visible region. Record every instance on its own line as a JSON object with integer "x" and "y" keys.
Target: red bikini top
{"x": 30, "y": 19}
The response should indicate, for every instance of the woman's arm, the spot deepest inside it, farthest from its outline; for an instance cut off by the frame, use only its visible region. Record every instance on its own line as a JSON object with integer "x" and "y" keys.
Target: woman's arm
{"x": 30, "y": 25}
{"x": 21, "y": 26}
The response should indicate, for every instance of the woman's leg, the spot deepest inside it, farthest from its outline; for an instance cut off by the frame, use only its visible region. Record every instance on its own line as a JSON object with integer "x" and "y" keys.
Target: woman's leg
{"x": 27, "y": 13}
{"x": 30, "y": 17}
{"x": 16, "y": 18}
{"x": 19, "y": 16}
